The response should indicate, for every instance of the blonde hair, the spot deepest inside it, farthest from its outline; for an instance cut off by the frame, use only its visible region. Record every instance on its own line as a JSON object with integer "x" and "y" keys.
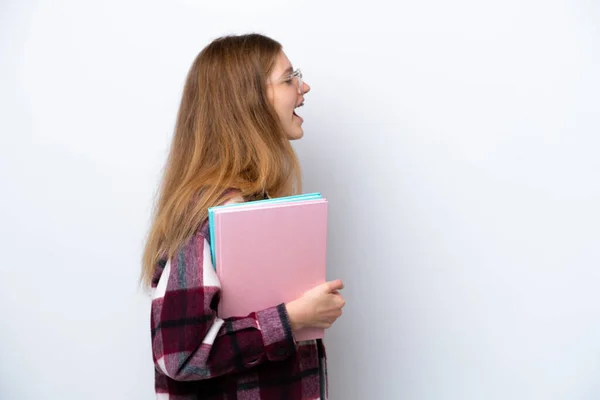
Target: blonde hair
{"x": 227, "y": 136}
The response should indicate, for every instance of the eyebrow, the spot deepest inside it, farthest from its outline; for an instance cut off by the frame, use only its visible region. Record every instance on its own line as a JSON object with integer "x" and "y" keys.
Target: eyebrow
{"x": 287, "y": 72}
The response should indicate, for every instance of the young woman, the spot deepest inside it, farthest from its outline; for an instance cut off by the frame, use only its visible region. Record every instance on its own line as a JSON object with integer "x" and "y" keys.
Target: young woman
{"x": 231, "y": 143}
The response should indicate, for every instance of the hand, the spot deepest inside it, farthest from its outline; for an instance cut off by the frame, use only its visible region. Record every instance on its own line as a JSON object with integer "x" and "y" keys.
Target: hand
{"x": 318, "y": 307}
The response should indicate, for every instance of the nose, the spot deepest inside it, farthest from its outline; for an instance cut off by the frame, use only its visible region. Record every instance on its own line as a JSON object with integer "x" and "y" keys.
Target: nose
{"x": 305, "y": 87}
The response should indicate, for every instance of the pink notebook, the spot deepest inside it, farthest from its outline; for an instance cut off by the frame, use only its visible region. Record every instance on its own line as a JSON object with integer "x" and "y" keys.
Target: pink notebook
{"x": 270, "y": 253}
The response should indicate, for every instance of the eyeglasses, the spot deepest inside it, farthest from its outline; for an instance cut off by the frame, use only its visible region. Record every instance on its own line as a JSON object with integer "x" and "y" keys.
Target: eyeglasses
{"x": 296, "y": 74}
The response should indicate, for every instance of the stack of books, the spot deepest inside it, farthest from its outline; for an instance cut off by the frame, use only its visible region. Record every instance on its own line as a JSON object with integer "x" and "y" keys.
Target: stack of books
{"x": 269, "y": 252}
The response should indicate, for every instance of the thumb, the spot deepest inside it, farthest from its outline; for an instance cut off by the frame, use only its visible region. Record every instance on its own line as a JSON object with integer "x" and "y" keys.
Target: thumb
{"x": 333, "y": 286}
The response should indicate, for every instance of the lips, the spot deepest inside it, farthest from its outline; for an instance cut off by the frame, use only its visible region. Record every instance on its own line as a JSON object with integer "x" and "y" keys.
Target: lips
{"x": 298, "y": 106}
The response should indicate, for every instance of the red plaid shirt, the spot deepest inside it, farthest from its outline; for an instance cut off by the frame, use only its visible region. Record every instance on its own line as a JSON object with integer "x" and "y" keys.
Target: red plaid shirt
{"x": 198, "y": 355}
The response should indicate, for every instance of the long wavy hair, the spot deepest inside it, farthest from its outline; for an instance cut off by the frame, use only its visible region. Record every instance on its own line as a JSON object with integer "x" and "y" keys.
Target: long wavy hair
{"x": 227, "y": 136}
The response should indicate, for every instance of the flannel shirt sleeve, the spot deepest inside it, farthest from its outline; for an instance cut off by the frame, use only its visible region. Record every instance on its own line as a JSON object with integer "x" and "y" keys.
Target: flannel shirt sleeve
{"x": 189, "y": 340}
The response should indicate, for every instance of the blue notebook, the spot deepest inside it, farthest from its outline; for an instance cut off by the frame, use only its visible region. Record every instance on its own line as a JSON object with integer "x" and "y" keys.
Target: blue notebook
{"x": 211, "y": 214}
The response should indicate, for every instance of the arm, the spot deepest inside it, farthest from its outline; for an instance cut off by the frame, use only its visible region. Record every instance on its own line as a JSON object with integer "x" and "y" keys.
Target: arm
{"x": 190, "y": 342}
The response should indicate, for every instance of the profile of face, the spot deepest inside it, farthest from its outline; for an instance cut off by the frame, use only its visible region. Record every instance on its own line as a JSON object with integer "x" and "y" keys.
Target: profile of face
{"x": 285, "y": 91}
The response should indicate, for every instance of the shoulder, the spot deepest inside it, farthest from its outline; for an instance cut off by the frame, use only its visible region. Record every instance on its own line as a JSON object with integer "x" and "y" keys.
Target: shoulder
{"x": 229, "y": 196}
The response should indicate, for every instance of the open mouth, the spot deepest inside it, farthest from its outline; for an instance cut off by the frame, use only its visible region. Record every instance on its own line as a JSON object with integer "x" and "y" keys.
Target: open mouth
{"x": 297, "y": 107}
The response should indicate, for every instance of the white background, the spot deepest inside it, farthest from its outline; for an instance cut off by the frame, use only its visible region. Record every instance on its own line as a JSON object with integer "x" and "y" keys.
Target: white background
{"x": 457, "y": 143}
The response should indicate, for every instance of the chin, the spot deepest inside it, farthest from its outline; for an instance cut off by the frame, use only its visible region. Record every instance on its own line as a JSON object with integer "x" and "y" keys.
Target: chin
{"x": 295, "y": 135}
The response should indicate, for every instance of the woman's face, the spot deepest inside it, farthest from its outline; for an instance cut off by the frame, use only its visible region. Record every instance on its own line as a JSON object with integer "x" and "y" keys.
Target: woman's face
{"x": 285, "y": 95}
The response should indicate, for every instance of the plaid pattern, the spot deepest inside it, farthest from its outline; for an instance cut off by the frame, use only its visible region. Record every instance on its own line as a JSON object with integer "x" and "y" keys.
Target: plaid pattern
{"x": 198, "y": 355}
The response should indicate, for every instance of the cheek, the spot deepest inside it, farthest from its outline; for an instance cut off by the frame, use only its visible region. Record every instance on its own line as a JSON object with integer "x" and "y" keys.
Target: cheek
{"x": 285, "y": 109}
{"x": 291, "y": 105}
{"x": 284, "y": 103}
